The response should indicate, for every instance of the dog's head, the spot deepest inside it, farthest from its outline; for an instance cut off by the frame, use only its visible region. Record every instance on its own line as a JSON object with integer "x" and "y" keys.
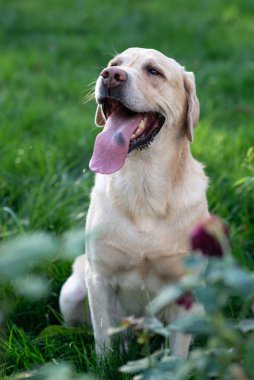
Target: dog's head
{"x": 141, "y": 93}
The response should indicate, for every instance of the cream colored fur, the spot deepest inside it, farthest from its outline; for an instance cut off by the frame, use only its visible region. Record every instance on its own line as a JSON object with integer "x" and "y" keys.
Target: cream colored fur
{"x": 140, "y": 217}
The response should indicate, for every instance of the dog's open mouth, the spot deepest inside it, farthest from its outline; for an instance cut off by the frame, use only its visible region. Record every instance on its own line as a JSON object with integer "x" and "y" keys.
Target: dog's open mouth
{"x": 124, "y": 131}
{"x": 147, "y": 128}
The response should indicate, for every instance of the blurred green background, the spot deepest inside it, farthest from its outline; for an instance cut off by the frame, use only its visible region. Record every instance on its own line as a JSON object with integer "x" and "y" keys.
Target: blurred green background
{"x": 52, "y": 51}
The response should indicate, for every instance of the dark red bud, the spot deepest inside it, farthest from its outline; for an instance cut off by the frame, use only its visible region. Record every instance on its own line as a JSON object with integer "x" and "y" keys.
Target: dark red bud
{"x": 186, "y": 301}
{"x": 208, "y": 236}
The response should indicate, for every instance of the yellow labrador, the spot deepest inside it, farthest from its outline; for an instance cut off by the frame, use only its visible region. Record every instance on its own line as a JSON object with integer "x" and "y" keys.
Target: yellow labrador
{"x": 148, "y": 193}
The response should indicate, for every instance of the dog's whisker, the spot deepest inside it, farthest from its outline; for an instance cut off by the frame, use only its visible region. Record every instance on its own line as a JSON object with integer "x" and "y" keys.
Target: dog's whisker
{"x": 92, "y": 83}
{"x": 90, "y": 92}
{"x": 88, "y": 99}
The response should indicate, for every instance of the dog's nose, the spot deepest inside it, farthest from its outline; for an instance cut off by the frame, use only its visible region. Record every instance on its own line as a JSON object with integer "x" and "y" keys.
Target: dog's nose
{"x": 113, "y": 77}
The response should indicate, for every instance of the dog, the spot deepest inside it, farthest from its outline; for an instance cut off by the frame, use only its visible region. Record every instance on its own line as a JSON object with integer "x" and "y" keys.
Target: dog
{"x": 149, "y": 192}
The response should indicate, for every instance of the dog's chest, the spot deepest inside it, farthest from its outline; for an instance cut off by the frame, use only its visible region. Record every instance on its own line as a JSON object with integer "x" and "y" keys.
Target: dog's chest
{"x": 139, "y": 243}
{"x": 138, "y": 265}
{"x": 127, "y": 254}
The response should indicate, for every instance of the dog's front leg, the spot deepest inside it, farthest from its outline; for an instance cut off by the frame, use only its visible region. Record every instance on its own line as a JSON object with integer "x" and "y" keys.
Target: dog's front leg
{"x": 101, "y": 295}
{"x": 179, "y": 343}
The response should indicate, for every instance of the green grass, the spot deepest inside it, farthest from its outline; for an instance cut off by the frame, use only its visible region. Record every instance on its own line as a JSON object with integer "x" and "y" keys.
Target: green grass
{"x": 50, "y": 52}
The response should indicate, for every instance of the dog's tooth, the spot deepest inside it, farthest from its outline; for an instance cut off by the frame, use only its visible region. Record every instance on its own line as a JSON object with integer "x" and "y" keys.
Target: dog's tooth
{"x": 139, "y": 130}
{"x": 141, "y": 124}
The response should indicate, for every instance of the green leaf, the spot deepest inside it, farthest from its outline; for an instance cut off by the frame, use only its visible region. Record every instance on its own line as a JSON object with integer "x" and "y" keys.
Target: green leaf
{"x": 166, "y": 297}
{"x": 240, "y": 181}
{"x": 248, "y": 358}
{"x": 73, "y": 244}
{"x": 142, "y": 364}
{"x": 185, "y": 370}
{"x": 170, "y": 363}
{"x": 59, "y": 371}
{"x": 155, "y": 325}
{"x": 31, "y": 286}
{"x": 250, "y": 153}
{"x": 195, "y": 261}
{"x": 158, "y": 374}
{"x": 240, "y": 280}
{"x": 214, "y": 271}
{"x": 136, "y": 366}
{"x": 18, "y": 255}
{"x": 189, "y": 282}
{"x": 192, "y": 324}
{"x": 210, "y": 297}
{"x": 246, "y": 325}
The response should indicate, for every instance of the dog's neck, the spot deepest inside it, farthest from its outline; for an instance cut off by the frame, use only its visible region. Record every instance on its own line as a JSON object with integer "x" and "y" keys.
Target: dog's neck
{"x": 150, "y": 185}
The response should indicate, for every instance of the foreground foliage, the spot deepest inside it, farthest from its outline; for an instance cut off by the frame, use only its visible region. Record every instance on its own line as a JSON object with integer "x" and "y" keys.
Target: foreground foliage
{"x": 214, "y": 280}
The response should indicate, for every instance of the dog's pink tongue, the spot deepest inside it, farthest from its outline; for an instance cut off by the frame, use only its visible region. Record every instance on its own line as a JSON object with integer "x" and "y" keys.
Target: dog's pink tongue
{"x": 112, "y": 144}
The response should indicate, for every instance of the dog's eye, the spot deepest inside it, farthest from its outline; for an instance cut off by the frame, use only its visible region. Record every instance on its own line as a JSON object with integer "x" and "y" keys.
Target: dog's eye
{"x": 115, "y": 63}
{"x": 153, "y": 71}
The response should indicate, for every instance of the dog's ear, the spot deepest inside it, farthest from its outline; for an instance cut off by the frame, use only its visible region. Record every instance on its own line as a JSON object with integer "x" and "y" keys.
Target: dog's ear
{"x": 99, "y": 117}
{"x": 192, "y": 103}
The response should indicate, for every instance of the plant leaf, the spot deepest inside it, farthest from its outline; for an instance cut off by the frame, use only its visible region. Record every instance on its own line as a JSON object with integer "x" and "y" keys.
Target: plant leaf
{"x": 155, "y": 325}
{"x": 73, "y": 244}
{"x": 240, "y": 280}
{"x": 166, "y": 296}
{"x": 135, "y": 366}
{"x": 195, "y": 261}
{"x": 210, "y": 297}
{"x": 32, "y": 286}
{"x": 248, "y": 358}
{"x": 246, "y": 325}
{"x": 18, "y": 255}
{"x": 192, "y": 324}
{"x": 158, "y": 374}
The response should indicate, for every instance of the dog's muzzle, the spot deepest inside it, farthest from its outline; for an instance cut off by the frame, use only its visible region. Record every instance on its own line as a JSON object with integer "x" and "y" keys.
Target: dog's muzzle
{"x": 125, "y": 129}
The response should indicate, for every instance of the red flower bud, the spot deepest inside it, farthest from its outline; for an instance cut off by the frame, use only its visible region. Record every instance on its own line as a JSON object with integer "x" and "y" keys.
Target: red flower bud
{"x": 186, "y": 300}
{"x": 210, "y": 237}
